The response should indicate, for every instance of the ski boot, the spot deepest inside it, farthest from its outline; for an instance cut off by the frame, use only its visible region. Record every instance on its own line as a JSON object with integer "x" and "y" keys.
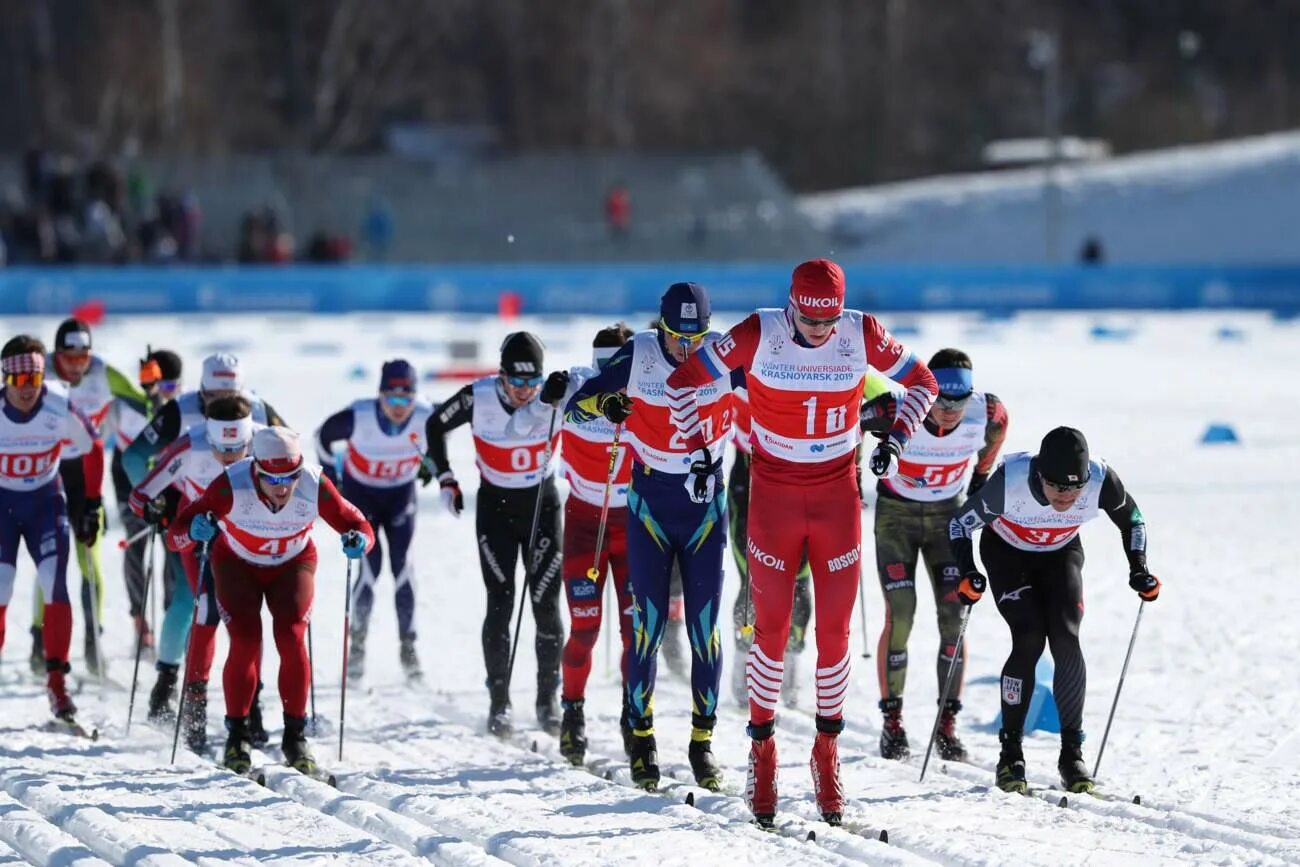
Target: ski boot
{"x": 625, "y": 728}
{"x": 707, "y": 771}
{"x": 256, "y": 731}
{"x": 498, "y": 722}
{"x": 1074, "y": 773}
{"x": 37, "y": 659}
{"x": 760, "y": 784}
{"x": 160, "y": 697}
{"x": 297, "y": 754}
{"x": 893, "y": 737}
{"x": 56, "y": 689}
{"x": 573, "y": 732}
{"x": 238, "y": 755}
{"x": 1011, "y": 763}
{"x": 951, "y": 749}
{"x": 356, "y": 656}
{"x": 410, "y": 660}
{"x": 674, "y": 642}
{"x": 195, "y": 719}
{"x": 645, "y": 758}
{"x": 825, "y": 764}
{"x": 548, "y": 713}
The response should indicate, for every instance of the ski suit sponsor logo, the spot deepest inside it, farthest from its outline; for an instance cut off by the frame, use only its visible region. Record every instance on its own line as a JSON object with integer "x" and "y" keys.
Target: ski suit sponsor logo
{"x": 971, "y": 520}
{"x": 1013, "y": 595}
{"x": 1138, "y": 538}
{"x": 763, "y": 557}
{"x": 810, "y": 301}
{"x": 591, "y": 611}
{"x": 905, "y": 584}
{"x": 951, "y": 573}
{"x": 688, "y": 310}
{"x": 896, "y": 571}
{"x": 583, "y": 588}
{"x": 1011, "y": 689}
{"x": 845, "y": 560}
{"x": 897, "y": 659}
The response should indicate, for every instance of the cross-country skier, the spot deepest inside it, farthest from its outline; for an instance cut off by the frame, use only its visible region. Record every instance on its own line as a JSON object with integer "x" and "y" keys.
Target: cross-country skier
{"x": 180, "y": 476}
{"x": 676, "y": 514}
{"x": 384, "y": 439}
{"x": 912, "y": 513}
{"x": 36, "y": 420}
{"x": 511, "y": 466}
{"x": 805, "y": 368}
{"x": 1035, "y": 504}
{"x": 742, "y": 611}
{"x": 92, "y": 385}
{"x": 586, "y": 449}
{"x": 265, "y": 507}
{"x": 160, "y": 377}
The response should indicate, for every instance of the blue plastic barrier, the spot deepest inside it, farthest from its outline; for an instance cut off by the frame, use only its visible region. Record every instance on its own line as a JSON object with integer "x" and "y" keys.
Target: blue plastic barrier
{"x": 1219, "y": 433}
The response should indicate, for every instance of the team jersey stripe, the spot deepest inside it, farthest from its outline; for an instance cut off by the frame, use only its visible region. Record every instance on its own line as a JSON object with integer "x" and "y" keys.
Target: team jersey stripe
{"x": 902, "y": 366}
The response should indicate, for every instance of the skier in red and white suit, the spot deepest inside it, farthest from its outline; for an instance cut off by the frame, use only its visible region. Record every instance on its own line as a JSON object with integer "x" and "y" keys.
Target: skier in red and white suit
{"x": 805, "y": 367}
{"x": 266, "y": 506}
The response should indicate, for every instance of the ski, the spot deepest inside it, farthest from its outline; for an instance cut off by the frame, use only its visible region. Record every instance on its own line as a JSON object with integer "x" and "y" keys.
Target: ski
{"x": 318, "y": 774}
{"x": 66, "y": 726}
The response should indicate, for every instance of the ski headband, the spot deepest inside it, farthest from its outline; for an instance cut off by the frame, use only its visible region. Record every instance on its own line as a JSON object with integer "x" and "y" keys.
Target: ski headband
{"x": 27, "y": 362}
{"x": 954, "y": 382}
{"x": 228, "y": 435}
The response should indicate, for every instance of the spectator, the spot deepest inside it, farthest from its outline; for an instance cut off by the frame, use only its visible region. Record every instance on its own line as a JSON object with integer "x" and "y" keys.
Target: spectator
{"x": 618, "y": 211}
{"x": 1092, "y": 253}
{"x": 377, "y": 230}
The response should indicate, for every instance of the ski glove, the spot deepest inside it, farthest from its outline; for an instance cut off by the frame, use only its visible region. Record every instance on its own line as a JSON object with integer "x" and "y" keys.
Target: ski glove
{"x": 203, "y": 528}
{"x": 449, "y": 490}
{"x": 1146, "y": 584}
{"x": 700, "y": 481}
{"x": 425, "y": 472}
{"x": 354, "y": 545}
{"x": 157, "y": 511}
{"x": 92, "y": 519}
{"x": 972, "y": 587}
{"x": 555, "y": 387}
{"x": 616, "y": 406}
{"x": 884, "y": 458}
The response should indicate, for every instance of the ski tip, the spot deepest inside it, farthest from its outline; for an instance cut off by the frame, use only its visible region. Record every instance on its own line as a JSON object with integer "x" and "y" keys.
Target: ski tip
{"x": 609, "y": 774}
{"x": 260, "y": 778}
{"x": 534, "y": 746}
{"x": 811, "y": 838}
{"x": 94, "y": 734}
{"x": 332, "y": 780}
{"x": 690, "y": 799}
{"x": 884, "y": 836}
{"x": 1064, "y": 802}
{"x": 1137, "y": 799}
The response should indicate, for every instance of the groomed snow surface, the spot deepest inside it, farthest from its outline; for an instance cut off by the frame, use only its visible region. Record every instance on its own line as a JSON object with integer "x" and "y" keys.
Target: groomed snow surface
{"x": 1205, "y": 731}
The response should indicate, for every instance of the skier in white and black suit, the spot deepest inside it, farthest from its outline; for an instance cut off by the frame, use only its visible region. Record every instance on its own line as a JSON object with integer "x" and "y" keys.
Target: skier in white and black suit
{"x": 1035, "y": 504}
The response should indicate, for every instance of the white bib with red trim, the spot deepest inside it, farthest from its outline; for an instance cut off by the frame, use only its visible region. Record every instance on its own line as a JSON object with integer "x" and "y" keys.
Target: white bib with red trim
{"x": 804, "y": 401}
{"x": 383, "y": 460}
{"x": 933, "y": 468}
{"x": 504, "y": 459}
{"x": 257, "y": 534}
{"x": 30, "y": 451}
{"x": 652, "y": 429}
{"x": 1031, "y": 526}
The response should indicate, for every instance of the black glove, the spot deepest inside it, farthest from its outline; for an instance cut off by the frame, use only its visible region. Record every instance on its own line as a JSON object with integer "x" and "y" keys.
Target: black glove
{"x": 972, "y": 587}
{"x": 701, "y": 481}
{"x": 425, "y": 472}
{"x": 884, "y": 459}
{"x": 555, "y": 387}
{"x": 977, "y": 481}
{"x": 449, "y": 491}
{"x": 158, "y": 511}
{"x": 1146, "y": 584}
{"x": 92, "y": 518}
{"x": 616, "y": 407}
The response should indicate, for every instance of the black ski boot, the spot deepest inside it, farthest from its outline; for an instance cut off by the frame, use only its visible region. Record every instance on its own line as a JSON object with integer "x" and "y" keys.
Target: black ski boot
{"x": 297, "y": 754}
{"x": 195, "y": 721}
{"x": 498, "y": 722}
{"x": 951, "y": 749}
{"x": 548, "y": 713}
{"x": 893, "y": 737}
{"x": 410, "y": 659}
{"x": 257, "y": 731}
{"x": 573, "y": 732}
{"x": 707, "y": 771}
{"x": 161, "y": 711}
{"x": 645, "y": 758}
{"x": 37, "y": 659}
{"x": 238, "y": 755}
{"x": 1074, "y": 773}
{"x": 625, "y": 728}
{"x": 1011, "y": 763}
{"x": 356, "y": 655}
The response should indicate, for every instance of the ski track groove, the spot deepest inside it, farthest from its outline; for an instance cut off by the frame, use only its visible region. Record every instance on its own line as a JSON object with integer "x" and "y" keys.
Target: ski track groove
{"x": 376, "y": 819}
{"x": 32, "y": 838}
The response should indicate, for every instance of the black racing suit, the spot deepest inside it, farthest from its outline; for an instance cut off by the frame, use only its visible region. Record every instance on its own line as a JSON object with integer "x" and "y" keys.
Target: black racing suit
{"x": 503, "y": 521}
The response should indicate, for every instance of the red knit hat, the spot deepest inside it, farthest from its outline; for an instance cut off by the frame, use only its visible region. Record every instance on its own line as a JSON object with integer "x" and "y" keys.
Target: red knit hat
{"x": 817, "y": 289}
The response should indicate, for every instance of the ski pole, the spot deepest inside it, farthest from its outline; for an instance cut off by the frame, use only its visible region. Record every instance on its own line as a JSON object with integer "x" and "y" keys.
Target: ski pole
{"x": 134, "y": 537}
{"x": 343, "y": 679}
{"x": 532, "y": 539}
{"x": 957, "y": 647}
{"x": 311, "y": 680}
{"x": 185, "y": 660}
{"x": 1122, "y": 673}
{"x": 611, "y": 604}
{"x": 139, "y": 634}
{"x": 95, "y": 581}
{"x": 594, "y": 572}
{"x": 862, "y": 607}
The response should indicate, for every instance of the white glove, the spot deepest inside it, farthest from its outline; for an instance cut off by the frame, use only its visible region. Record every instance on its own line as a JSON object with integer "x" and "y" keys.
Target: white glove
{"x": 449, "y": 491}
{"x": 884, "y": 459}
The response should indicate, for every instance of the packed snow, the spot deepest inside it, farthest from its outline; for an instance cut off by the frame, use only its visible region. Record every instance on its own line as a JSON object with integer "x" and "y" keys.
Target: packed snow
{"x": 1204, "y": 733}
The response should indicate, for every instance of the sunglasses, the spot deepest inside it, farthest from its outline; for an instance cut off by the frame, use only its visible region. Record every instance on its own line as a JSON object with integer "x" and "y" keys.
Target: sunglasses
{"x": 21, "y": 380}
{"x": 397, "y": 398}
{"x": 277, "y": 479}
{"x": 683, "y": 339}
{"x": 524, "y": 381}
{"x": 1064, "y": 489}
{"x": 168, "y": 386}
{"x": 819, "y": 323}
{"x": 951, "y": 402}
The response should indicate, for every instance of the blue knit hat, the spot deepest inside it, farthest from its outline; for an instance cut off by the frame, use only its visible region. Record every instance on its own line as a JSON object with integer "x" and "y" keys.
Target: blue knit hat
{"x": 685, "y": 309}
{"x": 397, "y": 375}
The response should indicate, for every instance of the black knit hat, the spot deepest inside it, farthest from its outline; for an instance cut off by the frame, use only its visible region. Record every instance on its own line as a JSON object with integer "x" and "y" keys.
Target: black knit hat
{"x": 169, "y": 363}
{"x": 73, "y": 334}
{"x": 1063, "y": 457}
{"x": 521, "y": 355}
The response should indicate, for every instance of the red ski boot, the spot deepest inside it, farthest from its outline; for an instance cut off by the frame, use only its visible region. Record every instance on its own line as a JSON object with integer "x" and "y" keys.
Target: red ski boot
{"x": 56, "y": 688}
{"x": 760, "y": 786}
{"x": 825, "y": 764}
